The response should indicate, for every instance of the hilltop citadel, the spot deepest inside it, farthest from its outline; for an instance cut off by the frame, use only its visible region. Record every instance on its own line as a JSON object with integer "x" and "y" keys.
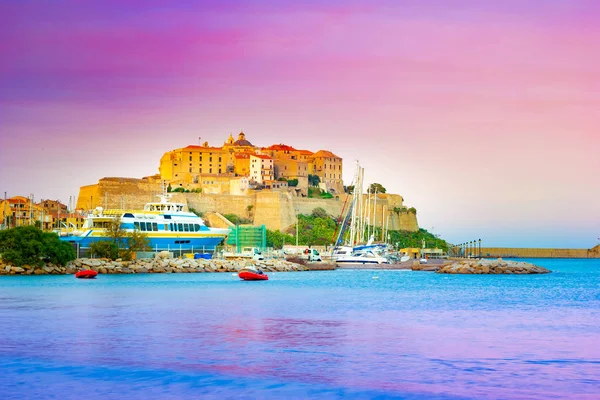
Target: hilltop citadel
{"x": 268, "y": 185}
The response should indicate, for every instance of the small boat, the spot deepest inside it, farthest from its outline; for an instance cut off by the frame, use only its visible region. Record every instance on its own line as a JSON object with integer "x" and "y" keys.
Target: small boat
{"x": 248, "y": 274}
{"x": 86, "y": 274}
{"x": 361, "y": 258}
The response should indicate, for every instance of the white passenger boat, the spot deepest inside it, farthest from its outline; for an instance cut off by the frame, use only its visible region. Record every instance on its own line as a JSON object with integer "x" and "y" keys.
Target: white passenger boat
{"x": 168, "y": 226}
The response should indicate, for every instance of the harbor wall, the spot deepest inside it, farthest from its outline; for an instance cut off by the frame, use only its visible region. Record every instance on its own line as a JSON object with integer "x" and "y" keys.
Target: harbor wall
{"x": 508, "y": 252}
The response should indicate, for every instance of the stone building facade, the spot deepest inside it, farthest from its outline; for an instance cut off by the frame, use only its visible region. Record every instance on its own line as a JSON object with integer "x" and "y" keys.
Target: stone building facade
{"x": 189, "y": 167}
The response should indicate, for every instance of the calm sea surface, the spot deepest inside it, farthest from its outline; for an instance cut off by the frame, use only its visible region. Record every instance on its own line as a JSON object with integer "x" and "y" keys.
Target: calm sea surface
{"x": 331, "y": 334}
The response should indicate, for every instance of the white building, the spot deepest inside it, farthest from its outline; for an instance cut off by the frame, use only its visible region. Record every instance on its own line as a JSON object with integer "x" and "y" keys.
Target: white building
{"x": 261, "y": 168}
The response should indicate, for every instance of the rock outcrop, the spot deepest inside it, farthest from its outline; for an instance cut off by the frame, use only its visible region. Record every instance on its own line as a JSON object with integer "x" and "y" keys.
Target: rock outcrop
{"x": 499, "y": 266}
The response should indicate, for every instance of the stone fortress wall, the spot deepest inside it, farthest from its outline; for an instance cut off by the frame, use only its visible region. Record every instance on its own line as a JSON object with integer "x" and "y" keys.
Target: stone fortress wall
{"x": 275, "y": 209}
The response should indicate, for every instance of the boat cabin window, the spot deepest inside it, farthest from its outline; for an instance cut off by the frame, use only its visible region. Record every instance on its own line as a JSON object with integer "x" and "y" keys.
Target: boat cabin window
{"x": 186, "y": 227}
{"x": 136, "y": 225}
{"x": 180, "y": 227}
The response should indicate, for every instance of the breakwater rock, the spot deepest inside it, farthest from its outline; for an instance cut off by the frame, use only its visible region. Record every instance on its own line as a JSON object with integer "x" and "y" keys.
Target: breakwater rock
{"x": 497, "y": 267}
{"x": 156, "y": 265}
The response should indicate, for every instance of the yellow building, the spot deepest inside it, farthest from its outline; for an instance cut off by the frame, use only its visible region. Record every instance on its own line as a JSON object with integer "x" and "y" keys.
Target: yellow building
{"x": 191, "y": 166}
{"x": 328, "y": 167}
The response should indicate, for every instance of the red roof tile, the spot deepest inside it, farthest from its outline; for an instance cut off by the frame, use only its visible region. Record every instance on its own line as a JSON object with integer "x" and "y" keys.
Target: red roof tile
{"x": 325, "y": 153}
{"x": 264, "y": 157}
{"x": 280, "y": 147}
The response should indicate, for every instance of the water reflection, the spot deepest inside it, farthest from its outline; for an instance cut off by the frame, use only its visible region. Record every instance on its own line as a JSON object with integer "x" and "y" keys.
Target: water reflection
{"x": 408, "y": 334}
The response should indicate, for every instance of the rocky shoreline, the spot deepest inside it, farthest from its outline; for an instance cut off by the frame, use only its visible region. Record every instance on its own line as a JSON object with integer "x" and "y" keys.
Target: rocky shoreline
{"x": 176, "y": 265}
{"x": 156, "y": 265}
{"x": 484, "y": 266}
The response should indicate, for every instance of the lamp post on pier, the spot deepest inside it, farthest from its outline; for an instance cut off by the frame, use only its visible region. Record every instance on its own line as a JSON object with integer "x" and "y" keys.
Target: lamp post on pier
{"x": 479, "y": 248}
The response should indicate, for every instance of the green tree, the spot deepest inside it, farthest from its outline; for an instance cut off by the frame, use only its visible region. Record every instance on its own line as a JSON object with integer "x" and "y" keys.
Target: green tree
{"x": 412, "y": 210}
{"x": 104, "y": 249}
{"x": 276, "y": 239}
{"x": 28, "y": 245}
{"x": 292, "y": 182}
{"x": 314, "y": 180}
{"x": 376, "y": 186}
{"x": 169, "y": 188}
{"x": 414, "y": 239}
{"x": 116, "y": 232}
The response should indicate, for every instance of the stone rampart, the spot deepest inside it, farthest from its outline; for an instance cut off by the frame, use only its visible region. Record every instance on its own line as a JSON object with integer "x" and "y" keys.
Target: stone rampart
{"x": 113, "y": 193}
{"x": 275, "y": 209}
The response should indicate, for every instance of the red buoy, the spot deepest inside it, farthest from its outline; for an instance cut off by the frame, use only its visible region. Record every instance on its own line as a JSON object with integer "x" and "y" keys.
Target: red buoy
{"x": 86, "y": 274}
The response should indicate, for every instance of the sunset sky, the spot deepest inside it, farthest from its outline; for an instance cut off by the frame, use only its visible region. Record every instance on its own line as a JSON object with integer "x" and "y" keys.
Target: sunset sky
{"x": 484, "y": 116}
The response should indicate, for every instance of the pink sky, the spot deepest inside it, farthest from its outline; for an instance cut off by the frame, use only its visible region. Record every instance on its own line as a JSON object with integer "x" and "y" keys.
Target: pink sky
{"x": 486, "y": 118}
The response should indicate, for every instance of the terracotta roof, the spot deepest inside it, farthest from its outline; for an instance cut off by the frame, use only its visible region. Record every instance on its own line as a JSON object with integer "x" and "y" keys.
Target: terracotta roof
{"x": 325, "y": 153}
{"x": 17, "y": 199}
{"x": 242, "y": 155}
{"x": 306, "y": 152}
{"x": 262, "y": 156}
{"x": 280, "y": 147}
{"x": 196, "y": 147}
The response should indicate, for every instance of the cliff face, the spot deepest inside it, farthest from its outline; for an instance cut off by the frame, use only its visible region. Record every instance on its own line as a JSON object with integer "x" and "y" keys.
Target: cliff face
{"x": 276, "y": 210}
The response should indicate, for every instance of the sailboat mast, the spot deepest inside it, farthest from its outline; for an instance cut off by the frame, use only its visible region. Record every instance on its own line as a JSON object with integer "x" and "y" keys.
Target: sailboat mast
{"x": 375, "y": 215}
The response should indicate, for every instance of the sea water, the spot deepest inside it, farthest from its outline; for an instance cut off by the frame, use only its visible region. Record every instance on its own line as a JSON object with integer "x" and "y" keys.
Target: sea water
{"x": 326, "y": 334}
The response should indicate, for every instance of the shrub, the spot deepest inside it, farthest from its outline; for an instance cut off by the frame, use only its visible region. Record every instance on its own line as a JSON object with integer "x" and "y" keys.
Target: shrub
{"x": 237, "y": 220}
{"x": 104, "y": 249}
{"x": 29, "y": 245}
{"x": 319, "y": 212}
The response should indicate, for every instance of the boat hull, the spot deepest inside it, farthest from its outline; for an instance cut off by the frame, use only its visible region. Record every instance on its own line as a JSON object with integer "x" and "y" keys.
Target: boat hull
{"x": 86, "y": 274}
{"x": 206, "y": 243}
{"x": 252, "y": 276}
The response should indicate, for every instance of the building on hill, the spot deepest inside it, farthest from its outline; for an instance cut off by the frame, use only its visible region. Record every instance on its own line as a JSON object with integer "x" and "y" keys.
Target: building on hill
{"x": 261, "y": 168}
{"x": 199, "y": 167}
{"x": 288, "y": 165}
{"x": 328, "y": 167}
